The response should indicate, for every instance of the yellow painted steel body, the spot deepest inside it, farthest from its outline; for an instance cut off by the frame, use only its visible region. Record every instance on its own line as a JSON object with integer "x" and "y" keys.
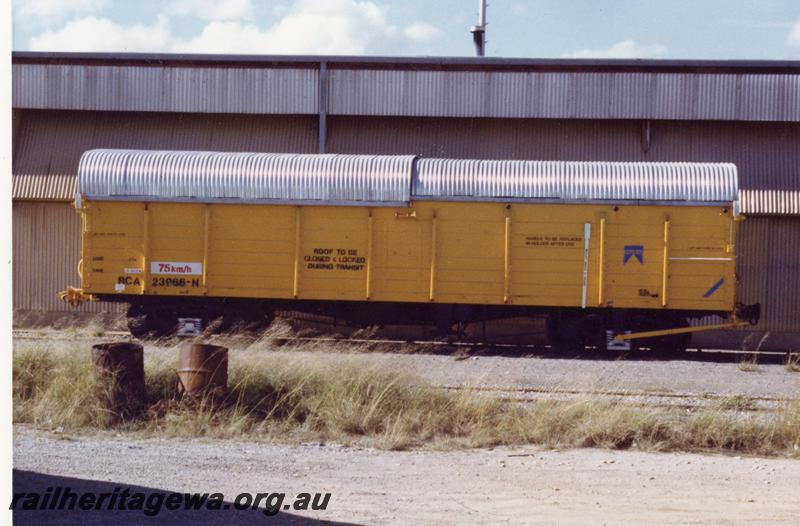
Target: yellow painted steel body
{"x": 558, "y": 255}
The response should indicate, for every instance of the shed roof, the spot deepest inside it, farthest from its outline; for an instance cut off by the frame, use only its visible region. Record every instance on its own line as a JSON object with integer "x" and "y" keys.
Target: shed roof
{"x": 420, "y": 62}
{"x": 402, "y": 86}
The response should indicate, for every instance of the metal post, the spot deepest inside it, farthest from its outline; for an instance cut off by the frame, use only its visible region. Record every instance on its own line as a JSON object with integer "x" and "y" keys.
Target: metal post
{"x": 665, "y": 265}
{"x": 15, "y": 119}
{"x": 146, "y": 248}
{"x": 432, "y": 284}
{"x": 601, "y": 267}
{"x": 479, "y": 31}
{"x": 297, "y": 242}
{"x": 507, "y": 257}
{"x": 369, "y": 255}
{"x": 322, "y": 86}
{"x": 587, "y": 234}
{"x": 86, "y": 243}
{"x": 206, "y": 232}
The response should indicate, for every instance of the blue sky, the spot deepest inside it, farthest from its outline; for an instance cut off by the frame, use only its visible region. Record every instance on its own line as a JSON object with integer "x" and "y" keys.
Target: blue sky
{"x": 701, "y": 29}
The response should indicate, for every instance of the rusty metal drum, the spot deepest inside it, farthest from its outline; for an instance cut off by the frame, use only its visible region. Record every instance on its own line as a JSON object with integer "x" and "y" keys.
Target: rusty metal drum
{"x": 202, "y": 370}
{"x": 119, "y": 369}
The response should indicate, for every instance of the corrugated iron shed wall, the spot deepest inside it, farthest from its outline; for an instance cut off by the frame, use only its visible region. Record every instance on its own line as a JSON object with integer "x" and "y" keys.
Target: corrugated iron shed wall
{"x": 46, "y": 250}
{"x": 769, "y": 270}
{"x": 15, "y": 117}
{"x": 151, "y": 88}
{"x": 565, "y": 95}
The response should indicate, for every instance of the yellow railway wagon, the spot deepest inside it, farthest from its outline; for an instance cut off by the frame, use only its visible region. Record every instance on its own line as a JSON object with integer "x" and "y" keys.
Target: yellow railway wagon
{"x": 601, "y": 248}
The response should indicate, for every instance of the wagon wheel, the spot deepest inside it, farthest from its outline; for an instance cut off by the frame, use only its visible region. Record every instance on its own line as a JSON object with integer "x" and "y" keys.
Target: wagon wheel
{"x": 251, "y": 319}
{"x": 138, "y": 322}
{"x": 565, "y": 334}
{"x": 146, "y": 322}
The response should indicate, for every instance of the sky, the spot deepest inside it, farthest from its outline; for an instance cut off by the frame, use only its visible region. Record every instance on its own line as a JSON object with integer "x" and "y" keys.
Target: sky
{"x": 691, "y": 29}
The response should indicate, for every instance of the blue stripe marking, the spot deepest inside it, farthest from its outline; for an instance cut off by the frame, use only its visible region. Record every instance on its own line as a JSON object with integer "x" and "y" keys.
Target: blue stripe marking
{"x": 714, "y": 288}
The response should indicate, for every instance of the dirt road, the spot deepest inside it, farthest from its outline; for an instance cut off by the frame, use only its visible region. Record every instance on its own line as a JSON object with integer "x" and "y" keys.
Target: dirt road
{"x": 500, "y": 486}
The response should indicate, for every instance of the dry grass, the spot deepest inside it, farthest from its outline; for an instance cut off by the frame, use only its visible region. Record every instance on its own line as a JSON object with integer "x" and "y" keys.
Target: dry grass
{"x": 55, "y": 390}
{"x": 792, "y": 364}
{"x": 736, "y": 403}
{"x": 749, "y": 365}
{"x": 277, "y": 396}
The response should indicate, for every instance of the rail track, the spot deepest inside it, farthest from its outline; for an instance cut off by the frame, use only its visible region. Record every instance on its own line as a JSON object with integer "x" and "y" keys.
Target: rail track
{"x": 54, "y": 334}
{"x": 462, "y": 349}
{"x": 686, "y": 401}
{"x": 466, "y": 349}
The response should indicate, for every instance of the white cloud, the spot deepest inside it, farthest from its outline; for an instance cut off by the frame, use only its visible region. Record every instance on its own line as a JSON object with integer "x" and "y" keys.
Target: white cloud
{"x": 329, "y": 27}
{"x": 213, "y": 9}
{"x": 518, "y": 8}
{"x": 347, "y": 27}
{"x": 47, "y": 10}
{"x": 793, "y": 39}
{"x": 422, "y": 32}
{"x": 624, "y": 49}
{"x": 311, "y": 26}
{"x": 100, "y": 34}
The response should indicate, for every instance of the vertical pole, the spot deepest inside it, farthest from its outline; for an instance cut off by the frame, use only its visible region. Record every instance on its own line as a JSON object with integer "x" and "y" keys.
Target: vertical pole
{"x": 602, "y": 262}
{"x": 85, "y": 271}
{"x": 369, "y": 255}
{"x": 645, "y": 138}
{"x": 665, "y": 266}
{"x": 296, "y": 277}
{"x": 479, "y": 31}
{"x": 322, "y": 86}
{"x": 206, "y": 229}
{"x": 15, "y": 120}
{"x": 432, "y": 284}
{"x": 587, "y": 234}
{"x": 146, "y": 248}
{"x": 507, "y": 256}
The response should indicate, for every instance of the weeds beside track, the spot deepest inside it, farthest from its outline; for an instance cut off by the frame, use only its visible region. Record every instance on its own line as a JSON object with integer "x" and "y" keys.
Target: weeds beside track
{"x": 275, "y": 396}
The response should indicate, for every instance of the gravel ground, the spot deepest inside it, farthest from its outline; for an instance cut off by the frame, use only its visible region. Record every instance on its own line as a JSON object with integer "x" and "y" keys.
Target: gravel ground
{"x": 500, "y": 486}
{"x": 668, "y": 377}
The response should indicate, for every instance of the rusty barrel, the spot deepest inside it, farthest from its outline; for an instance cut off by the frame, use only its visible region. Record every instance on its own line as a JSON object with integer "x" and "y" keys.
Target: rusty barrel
{"x": 202, "y": 370}
{"x": 119, "y": 369}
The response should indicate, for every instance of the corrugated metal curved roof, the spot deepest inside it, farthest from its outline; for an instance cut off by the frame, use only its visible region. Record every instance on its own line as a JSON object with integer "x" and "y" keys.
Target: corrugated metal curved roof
{"x": 576, "y": 181}
{"x": 244, "y": 177}
{"x": 389, "y": 179}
